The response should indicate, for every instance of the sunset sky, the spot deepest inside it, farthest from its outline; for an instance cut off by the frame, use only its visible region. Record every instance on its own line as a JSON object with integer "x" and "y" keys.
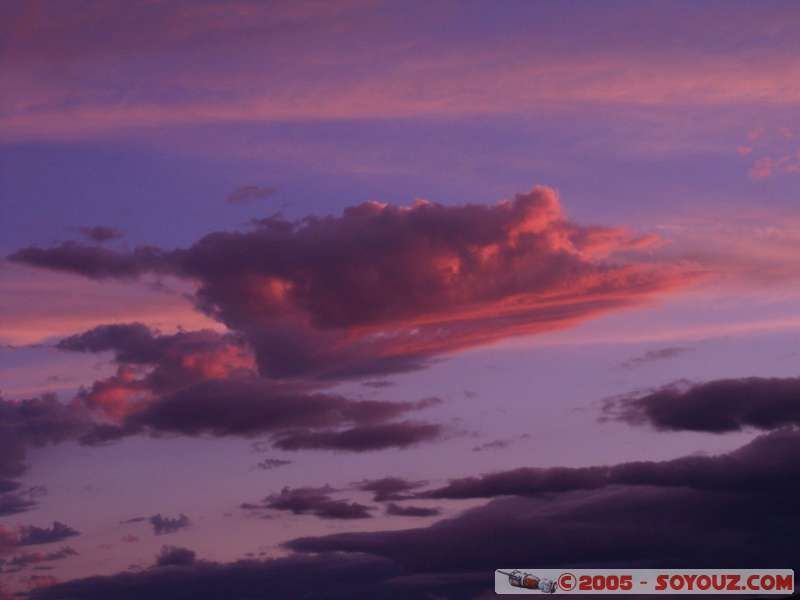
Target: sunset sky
{"x": 382, "y": 296}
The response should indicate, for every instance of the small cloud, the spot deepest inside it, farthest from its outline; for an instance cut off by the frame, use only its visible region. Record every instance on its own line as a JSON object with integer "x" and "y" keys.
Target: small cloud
{"x": 378, "y": 383}
{"x": 654, "y": 356}
{"x": 312, "y": 501}
{"x": 100, "y": 233}
{"x": 173, "y": 556}
{"x": 494, "y": 445}
{"x": 272, "y": 463}
{"x": 32, "y": 535}
{"x": 411, "y": 511}
{"x": 389, "y": 488}
{"x": 249, "y": 193}
{"x": 164, "y": 525}
{"x": 500, "y": 444}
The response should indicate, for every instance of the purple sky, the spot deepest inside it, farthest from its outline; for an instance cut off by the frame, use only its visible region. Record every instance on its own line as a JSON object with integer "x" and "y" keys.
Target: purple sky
{"x": 251, "y": 247}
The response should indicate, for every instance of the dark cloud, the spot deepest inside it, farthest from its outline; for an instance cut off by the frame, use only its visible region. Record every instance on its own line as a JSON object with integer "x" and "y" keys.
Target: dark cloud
{"x": 8, "y": 485}
{"x": 312, "y": 501}
{"x": 250, "y": 407}
{"x": 172, "y": 556}
{"x": 736, "y": 510}
{"x": 316, "y": 578}
{"x": 767, "y": 464}
{"x": 249, "y": 193}
{"x": 8, "y": 540}
{"x": 164, "y": 525}
{"x": 397, "y": 510}
{"x": 382, "y": 289}
{"x": 174, "y": 362}
{"x": 501, "y": 444}
{"x": 390, "y": 488}
{"x": 716, "y": 406}
{"x": 93, "y": 261}
{"x": 493, "y": 445}
{"x": 362, "y": 438}
{"x": 31, "y": 535}
{"x": 272, "y": 463}
{"x": 378, "y": 383}
{"x": 19, "y": 562}
{"x": 15, "y": 503}
{"x": 100, "y": 233}
{"x": 635, "y": 527}
{"x": 203, "y": 382}
{"x": 652, "y": 356}
{"x": 32, "y": 423}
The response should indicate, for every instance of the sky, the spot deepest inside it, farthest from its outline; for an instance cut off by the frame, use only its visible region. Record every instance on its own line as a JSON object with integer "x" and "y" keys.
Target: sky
{"x": 393, "y": 294}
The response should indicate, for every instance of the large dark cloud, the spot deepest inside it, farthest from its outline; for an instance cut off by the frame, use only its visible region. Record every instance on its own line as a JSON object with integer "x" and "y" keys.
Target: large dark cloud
{"x": 733, "y": 511}
{"x": 715, "y": 406}
{"x": 384, "y": 289}
{"x": 770, "y": 463}
{"x": 312, "y": 578}
{"x": 636, "y": 527}
{"x": 315, "y": 501}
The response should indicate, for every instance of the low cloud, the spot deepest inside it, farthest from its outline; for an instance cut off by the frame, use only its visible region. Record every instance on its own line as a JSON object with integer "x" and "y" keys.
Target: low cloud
{"x": 697, "y": 512}
{"x": 356, "y": 577}
{"x": 769, "y": 463}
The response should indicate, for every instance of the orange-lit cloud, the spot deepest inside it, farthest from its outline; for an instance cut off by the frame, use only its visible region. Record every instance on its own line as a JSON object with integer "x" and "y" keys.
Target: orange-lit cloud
{"x": 383, "y": 288}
